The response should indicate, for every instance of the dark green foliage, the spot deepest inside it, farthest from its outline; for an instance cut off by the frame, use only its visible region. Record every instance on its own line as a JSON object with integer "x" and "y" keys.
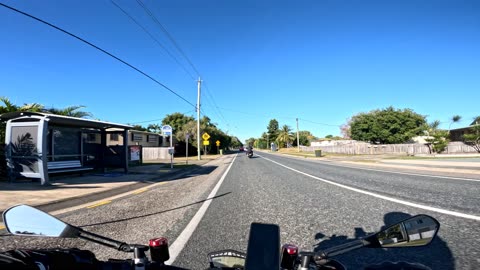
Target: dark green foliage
{"x": 387, "y": 126}
{"x": 177, "y": 121}
{"x": 272, "y": 130}
{"x": 473, "y": 138}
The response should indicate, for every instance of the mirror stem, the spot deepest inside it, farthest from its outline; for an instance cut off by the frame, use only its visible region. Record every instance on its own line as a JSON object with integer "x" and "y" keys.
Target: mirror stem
{"x": 122, "y": 246}
{"x": 334, "y": 251}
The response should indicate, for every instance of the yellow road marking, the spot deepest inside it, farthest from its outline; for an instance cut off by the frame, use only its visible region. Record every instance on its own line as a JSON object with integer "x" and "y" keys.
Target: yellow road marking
{"x": 2, "y": 227}
{"x": 140, "y": 191}
{"x": 99, "y": 204}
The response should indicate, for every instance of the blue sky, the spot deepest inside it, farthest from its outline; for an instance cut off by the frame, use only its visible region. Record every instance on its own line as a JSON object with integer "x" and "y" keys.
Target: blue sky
{"x": 320, "y": 61}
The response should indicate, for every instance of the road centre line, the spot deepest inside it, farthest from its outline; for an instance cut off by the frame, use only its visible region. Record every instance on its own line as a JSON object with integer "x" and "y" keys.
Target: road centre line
{"x": 140, "y": 191}
{"x": 425, "y": 207}
{"x": 99, "y": 204}
{"x": 185, "y": 235}
{"x": 405, "y": 173}
{"x": 387, "y": 171}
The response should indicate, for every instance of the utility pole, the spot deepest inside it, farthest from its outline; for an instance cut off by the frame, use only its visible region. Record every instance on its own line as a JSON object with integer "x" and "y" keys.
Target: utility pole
{"x": 198, "y": 119}
{"x": 268, "y": 141}
{"x": 298, "y": 138}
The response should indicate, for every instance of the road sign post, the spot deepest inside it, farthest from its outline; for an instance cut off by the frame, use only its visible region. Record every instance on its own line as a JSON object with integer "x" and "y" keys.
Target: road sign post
{"x": 206, "y": 142}
{"x": 168, "y": 131}
{"x": 186, "y": 150}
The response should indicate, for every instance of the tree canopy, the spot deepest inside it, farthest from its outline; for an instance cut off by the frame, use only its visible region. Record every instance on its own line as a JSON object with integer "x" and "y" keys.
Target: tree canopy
{"x": 7, "y": 106}
{"x": 272, "y": 130}
{"x": 177, "y": 121}
{"x": 387, "y": 126}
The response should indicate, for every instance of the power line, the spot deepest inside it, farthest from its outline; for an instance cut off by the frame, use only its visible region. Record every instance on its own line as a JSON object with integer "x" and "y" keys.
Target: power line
{"x": 152, "y": 37}
{"x": 100, "y": 49}
{"x": 284, "y": 117}
{"x": 214, "y": 103}
{"x": 323, "y": 124}
{"x": 177, "y": 46}
{"x": 168, "y": 34}
{"x": 154, "y": 120}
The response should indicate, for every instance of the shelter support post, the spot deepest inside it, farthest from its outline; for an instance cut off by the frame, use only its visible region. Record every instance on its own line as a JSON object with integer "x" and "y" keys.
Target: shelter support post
{"x": 125, "y": 150}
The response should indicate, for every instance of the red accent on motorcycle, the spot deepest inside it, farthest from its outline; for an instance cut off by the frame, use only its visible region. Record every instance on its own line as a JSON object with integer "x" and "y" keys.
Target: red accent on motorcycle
{"x": 158, "y": 242}
{"x": 292, "y": 250}
{"x": 159, "y": 249}
{"x": 289, "y": 255}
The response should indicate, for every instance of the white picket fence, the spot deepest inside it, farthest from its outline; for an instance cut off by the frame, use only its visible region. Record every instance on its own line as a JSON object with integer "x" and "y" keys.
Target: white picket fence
{"x": 154, "y": 153}
{"x": 360, "y": 148}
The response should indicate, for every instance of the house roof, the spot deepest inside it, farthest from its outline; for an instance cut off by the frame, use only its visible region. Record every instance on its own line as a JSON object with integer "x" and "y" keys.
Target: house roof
{"x": 464, "y": 128}
{"x": 475, "y": 121}
{"x": 136, "y": 131}
{"x": 64, "y": 120}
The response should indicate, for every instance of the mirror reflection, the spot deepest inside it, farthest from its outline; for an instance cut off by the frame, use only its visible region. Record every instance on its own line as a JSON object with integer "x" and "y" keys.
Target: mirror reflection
{"x": 29, "y": 221}
{"x": 416, "y": 231}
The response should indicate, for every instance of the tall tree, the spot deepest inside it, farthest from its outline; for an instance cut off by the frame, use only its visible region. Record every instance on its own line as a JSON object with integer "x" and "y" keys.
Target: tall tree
{"x": 345, "y": 129}
{"x": 177, "y": 121}
{"x": 272, "y": 130}
{"x": 454, "y": 119}
{"x": 285, "y": 136}
{"x": 387, "y": 126}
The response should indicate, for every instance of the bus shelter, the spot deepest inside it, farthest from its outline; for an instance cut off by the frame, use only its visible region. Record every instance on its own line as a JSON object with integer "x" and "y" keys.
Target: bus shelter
{"x": 39, "y": 144}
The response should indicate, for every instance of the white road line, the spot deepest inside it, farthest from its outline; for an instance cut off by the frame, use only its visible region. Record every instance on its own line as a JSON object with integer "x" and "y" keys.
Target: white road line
{"x": 425, "y": 207}
{"x": 395, "y": 172}
{"x": 404, "y": 173}
{"x": 185, "y": 235}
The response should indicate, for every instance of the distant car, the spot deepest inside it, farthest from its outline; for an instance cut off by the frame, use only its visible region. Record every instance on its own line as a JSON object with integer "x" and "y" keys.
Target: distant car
{"x": 241, "y": 149}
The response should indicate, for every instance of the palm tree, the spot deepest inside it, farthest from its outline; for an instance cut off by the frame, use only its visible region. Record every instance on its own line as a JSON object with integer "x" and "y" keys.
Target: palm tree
{"x": 154, "y": 128}
{"x": 284, "y": 135}
{"x": 8, "y": 106}
{"x": 454, "y": 119}
{"x": 70, "y": 111}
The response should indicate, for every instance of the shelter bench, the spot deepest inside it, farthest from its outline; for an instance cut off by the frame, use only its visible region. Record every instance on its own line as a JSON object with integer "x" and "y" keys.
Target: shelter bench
{"x": 66, "y": 166}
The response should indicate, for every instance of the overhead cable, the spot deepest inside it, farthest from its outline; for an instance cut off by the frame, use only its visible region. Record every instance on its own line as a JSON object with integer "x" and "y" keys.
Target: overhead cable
{"x": 100, "y": 49}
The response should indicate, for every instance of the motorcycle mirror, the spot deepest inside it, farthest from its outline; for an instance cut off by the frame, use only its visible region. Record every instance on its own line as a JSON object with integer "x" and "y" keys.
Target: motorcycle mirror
{"x": 28, "y": 221}
{"x": 415, "y": 231}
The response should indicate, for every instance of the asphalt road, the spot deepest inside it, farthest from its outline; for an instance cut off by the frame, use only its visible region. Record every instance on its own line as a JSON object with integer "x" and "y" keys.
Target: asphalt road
{"x": 312, "y": 213}
{"x": 315, "y": 215}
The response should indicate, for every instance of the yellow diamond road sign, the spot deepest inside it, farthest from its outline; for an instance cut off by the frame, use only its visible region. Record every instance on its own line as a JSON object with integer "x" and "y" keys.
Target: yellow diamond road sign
{"x": 218, "y": 143}
{"x": 205, "y": 136}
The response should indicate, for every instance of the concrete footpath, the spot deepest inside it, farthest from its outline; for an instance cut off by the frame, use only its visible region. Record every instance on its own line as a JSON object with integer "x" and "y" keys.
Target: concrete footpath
{"x": 71, "y": 190}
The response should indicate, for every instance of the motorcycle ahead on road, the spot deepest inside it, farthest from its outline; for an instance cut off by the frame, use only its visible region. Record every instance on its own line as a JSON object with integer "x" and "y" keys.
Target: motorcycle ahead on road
{"x": 250, "y": 152}
{"x": 263, "y": 251}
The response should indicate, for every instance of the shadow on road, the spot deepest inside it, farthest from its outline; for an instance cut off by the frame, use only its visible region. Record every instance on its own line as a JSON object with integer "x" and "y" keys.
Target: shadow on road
{"x": 151, "y": 214}
{"x": 201, "y": 170}
{"x": 436, "y": 255}
{"x": 93, "y": 180}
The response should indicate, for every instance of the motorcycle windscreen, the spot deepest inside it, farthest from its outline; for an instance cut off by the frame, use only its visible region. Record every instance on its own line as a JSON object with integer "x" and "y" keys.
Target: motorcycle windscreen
{"x": 263, "y": 251}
